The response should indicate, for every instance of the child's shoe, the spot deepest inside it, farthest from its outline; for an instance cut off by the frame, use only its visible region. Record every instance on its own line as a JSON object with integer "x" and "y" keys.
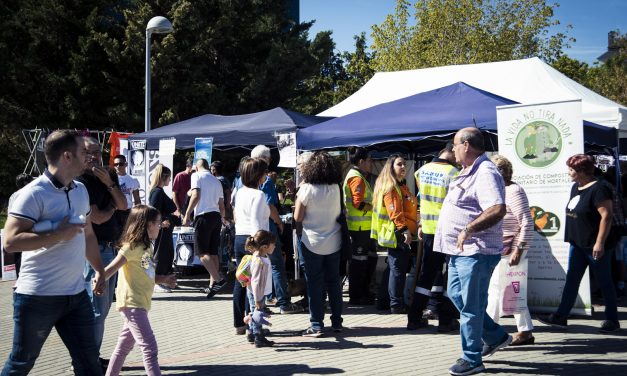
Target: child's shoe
{"x": 261, "y": 341}
{"x": 250, "y": 337}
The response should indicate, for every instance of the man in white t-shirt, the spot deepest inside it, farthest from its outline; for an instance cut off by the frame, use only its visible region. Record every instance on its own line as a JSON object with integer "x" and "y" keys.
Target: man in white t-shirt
{"x": 207, "y": 204}
{"x": 128, "y": 184}
{"x": 50, "y": 291}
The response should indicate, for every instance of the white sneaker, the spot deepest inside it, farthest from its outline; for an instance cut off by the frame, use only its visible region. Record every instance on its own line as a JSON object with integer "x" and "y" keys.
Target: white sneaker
{"x": 162, "y": 288}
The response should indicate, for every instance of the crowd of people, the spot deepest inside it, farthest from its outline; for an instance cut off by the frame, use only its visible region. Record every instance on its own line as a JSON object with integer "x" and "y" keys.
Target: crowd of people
{"x": 467, "y": 219}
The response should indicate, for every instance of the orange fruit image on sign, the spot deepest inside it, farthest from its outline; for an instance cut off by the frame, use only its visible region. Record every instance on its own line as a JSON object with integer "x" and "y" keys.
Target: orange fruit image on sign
{"x": 545, "y": 223}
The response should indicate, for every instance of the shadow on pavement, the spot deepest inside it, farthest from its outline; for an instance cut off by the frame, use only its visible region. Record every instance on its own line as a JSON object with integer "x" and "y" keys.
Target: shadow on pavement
{"x": 341, "y": 343}
{"x": 536, "y": 368}
{"x": 578, "y": 347}
{"x": 236, "y": 369}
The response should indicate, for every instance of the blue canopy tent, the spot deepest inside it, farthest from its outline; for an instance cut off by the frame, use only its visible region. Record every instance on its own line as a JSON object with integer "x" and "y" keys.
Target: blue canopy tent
{"x": 236, "y": 130}
{"x": 440, "y": 112}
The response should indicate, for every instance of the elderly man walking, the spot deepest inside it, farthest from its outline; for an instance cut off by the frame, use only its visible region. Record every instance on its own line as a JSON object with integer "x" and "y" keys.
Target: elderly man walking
{"x": 469, "y": 230}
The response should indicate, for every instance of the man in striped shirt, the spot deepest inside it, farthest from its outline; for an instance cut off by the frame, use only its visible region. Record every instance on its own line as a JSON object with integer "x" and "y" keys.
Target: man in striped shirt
{"x": 469, "y": 231}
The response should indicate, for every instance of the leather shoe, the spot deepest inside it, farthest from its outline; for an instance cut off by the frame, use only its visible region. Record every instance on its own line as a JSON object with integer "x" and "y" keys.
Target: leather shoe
{"x": 523, "y": 338}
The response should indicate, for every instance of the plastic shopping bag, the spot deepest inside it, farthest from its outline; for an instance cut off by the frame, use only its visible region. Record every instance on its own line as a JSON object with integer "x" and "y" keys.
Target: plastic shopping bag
{"x": 513, "y": 287}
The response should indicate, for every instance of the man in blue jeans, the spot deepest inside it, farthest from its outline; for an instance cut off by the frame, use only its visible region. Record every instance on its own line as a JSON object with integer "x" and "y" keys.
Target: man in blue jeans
{"x": 50, "y": 222}
{"x": 469, "y": 230}
{"x": 105, "y": 197}
{"x": 279, "y": 277}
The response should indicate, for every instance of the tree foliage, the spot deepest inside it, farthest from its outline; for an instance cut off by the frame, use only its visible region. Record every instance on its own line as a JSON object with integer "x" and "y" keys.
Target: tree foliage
{"x": 80, "y": 64}
{"x": 448, "y": 32}
{"x": 608, "y": 79}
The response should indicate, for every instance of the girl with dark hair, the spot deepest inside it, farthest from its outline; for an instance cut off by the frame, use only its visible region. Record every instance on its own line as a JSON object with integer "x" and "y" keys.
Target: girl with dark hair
{"x": 136, "y": 282}
{"x": 394, "y": 224}
{"x": 261, "y": 245}
{"x": 164, "y": 249}
{"x": 588, "y": 222}
{"x": 318, "y": 207}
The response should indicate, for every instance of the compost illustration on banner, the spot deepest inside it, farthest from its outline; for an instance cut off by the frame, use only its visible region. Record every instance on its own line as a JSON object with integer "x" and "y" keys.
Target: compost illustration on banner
{"x": 538, "y": 139}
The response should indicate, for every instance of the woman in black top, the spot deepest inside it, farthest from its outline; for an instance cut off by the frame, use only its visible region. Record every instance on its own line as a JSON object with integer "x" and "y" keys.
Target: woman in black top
{"x": 164, "y": 249}
{"x": 588, "y": 222}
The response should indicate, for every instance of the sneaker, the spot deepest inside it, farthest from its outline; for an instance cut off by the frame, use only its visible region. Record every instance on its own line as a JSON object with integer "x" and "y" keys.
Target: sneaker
{"x": 337, "y": 328}
{"x": 412, "y": 325}
{"x": 453, "y": 326}
{"x": 261, "y": 341}
{"x": 429, "y": 314}
{"x": 271, "y": 302}
{"x": 311, "y": 332}
{"x": 162, "y": 288}
{"x": 609, "y": 326}
{"x": 291, "y": 308}
{"x": 554, "y": 320}
{"x": 241, "y": 330}
{"x": 215, "y": 288}
{"x": 463, "y": 367}
{"x": 250, "y": 337}
{"x": 488, "y": 350}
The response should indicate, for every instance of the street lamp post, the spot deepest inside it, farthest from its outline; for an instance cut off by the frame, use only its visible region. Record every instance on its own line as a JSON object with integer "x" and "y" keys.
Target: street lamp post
{"x": 156, "y": 25}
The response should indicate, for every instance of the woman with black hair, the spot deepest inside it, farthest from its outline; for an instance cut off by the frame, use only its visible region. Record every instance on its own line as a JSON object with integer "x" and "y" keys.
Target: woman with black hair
{"x": 318, "y": 207}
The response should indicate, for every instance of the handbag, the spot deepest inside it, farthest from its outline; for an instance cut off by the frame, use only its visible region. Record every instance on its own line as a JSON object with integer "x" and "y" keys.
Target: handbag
{"x": 345, "y": 248}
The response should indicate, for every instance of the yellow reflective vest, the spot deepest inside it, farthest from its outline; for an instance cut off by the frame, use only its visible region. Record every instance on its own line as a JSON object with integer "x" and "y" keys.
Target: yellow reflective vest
{"x": 433, "y": 181}
{"x": 383, "y": 228}
{"x": 358, "y": 220}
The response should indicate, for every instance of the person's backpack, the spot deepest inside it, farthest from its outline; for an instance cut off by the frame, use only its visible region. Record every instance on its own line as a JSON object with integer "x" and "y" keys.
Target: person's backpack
{"x": 242, "y": 274}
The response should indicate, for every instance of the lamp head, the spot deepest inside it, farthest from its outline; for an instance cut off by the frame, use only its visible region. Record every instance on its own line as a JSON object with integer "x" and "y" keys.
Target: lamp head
{"x": 159, "y": 25}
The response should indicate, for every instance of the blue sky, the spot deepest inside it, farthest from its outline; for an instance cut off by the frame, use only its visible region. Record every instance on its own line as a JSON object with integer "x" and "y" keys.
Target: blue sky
{"x": 591, "y": 21}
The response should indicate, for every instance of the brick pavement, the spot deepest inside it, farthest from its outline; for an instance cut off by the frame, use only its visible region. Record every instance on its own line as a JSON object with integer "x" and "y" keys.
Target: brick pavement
{"x": 196, "y": 337}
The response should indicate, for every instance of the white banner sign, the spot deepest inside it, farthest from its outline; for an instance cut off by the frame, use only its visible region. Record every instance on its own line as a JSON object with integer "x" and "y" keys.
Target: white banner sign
{"x": 286, "y": 143}
{"x": 538, "y": 139}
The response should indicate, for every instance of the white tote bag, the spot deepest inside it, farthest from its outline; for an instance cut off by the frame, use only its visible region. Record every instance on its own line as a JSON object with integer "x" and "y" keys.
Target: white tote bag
{"x": 513, "y": 287}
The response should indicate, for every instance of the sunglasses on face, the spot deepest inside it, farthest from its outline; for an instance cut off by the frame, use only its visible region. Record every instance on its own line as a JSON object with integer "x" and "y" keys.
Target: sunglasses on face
{"x": 117, "y": 164}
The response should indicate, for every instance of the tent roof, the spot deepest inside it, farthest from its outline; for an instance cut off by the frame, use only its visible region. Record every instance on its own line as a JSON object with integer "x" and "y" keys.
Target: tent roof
{"x": 442, "y": 111}
{"x": 236, "y": 130}
{"x": 524, "y": 81}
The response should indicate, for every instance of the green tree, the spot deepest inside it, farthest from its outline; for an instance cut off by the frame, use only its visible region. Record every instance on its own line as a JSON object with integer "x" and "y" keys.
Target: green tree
{"x": 572, "y": 68}
{"x": 318, "y": 92}
{"x": 80, "y": 64}
{"x": 447, "y": 32}
{"x": 358, "y": 69}
{"x": 610, "y": 79}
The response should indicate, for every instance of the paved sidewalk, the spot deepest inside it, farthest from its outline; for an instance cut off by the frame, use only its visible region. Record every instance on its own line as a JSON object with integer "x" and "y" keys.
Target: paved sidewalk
{"x": 196, "y": 337}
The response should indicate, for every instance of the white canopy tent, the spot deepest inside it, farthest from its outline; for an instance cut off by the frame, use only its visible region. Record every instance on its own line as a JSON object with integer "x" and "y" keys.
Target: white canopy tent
{"x": 525, "y": 81}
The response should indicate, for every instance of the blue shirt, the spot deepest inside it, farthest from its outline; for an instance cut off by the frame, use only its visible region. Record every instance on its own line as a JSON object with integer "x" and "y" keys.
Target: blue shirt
{"x": 272, "y": 198}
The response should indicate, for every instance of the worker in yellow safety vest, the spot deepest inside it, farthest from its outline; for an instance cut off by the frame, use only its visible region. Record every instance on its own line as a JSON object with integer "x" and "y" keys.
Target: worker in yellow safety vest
{"x": 394, "y": 224}
{"x": 433, "y": 180}
{"x": 358, "y": 204}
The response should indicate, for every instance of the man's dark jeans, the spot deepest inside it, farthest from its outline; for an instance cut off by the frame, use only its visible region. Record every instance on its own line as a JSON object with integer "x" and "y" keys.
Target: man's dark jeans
{"x": 35, "y": 316}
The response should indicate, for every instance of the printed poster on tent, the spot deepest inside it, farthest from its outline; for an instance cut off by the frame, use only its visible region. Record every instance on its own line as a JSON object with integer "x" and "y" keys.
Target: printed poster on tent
{"x": 538, "y": 139}
{"x": 137, "y": 164}
{"x": 286, "y": 143}
{"x": 204, "y": 146}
